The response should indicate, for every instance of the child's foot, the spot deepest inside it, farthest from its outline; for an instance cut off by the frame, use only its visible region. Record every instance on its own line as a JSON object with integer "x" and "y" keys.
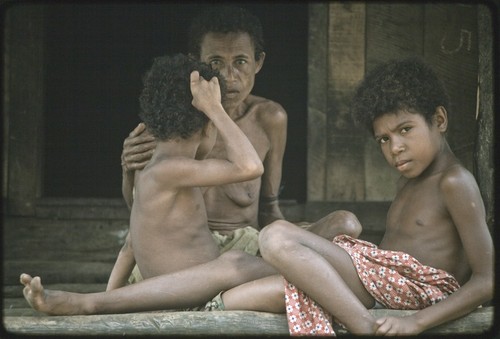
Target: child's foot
{"x": 49, "y": 302}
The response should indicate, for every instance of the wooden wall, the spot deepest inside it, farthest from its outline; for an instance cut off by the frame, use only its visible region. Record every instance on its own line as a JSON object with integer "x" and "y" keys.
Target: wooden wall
{"x": 348, "y": 39}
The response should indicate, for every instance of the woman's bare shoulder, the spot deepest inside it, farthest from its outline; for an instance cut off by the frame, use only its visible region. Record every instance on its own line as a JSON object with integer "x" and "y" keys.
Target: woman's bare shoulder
{"x": 266, "y": 110}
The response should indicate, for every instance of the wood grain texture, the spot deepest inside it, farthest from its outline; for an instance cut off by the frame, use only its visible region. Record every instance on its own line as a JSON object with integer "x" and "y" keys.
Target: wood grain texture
{"x": 205, "y": 323}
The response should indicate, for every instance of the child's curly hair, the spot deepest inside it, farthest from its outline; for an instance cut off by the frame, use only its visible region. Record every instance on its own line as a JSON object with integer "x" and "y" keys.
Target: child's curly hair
{"x": 225, "y": 19}
{"x": 166, "y": 99}
{"x": 407, "y": 84}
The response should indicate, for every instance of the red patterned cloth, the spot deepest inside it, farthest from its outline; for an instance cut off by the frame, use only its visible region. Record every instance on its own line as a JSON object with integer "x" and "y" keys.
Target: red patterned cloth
{"x": 305, "y": 316}
{"x": 395, "y": 279}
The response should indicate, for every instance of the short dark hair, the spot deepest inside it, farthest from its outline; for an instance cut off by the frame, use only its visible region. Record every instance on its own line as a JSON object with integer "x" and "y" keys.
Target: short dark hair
{"x": 408, "y": 84}
{"x": 166, "y": 99}
{"x": 225, "y": 19}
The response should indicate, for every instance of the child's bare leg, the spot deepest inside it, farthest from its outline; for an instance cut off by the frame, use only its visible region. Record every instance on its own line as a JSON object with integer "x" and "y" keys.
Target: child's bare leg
{"x": 335, "y": 223}
{"x": 187, "y": 288}
{"x": 264, "y": 295}
{"x": 51, "y": 302}
{"x": 322, "y": 270}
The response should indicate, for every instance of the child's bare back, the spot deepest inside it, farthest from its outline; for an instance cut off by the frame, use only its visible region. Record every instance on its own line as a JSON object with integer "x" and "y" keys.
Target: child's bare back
{"x": 168, "y": 225}
{"x": 181, "y": 104}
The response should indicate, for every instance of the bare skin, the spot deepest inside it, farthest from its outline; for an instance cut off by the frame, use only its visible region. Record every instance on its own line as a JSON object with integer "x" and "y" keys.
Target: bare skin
{"x": 158, "y": 293}
{"x": 168, "y": 214}
{"x": 235, "y": 205}
{"x": 169, "y": 209}
{"x": 263, "y": 121}
{"x": 437, "y": 216}
{"x": 164, "y": 291}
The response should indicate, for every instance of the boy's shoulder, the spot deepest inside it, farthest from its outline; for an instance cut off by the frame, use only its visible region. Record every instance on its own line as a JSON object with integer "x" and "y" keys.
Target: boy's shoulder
{"x": 455, "y": 177}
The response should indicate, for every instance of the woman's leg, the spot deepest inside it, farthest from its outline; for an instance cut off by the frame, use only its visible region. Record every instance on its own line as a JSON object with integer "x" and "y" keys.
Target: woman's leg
{"x": 187, "y": 288}
{"x": 322, "y": 270}
{"x": 336, "y": 223}
{"x": 264, "y": 295}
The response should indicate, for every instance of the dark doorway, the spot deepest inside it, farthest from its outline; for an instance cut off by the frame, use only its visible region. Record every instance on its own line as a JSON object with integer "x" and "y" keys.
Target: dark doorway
{"x": 96, "y": 54}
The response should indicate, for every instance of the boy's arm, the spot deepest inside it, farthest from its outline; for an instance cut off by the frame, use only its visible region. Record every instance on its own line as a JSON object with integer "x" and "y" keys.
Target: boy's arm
{"x": 465, "y": 206}
{"x": 123, "y": 266}
{"x": 275, "y": 124}
{"x": 138, "y": 148}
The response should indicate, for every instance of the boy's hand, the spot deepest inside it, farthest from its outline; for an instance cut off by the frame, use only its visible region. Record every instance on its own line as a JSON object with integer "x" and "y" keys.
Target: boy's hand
{"x": 206, "y": 94}
{"x": 138, "y": 148}
{"x": 396, "y": 326}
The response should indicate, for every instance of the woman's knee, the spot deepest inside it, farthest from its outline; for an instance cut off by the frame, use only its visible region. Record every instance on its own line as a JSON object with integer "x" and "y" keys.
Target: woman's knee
{"x": 347, "y": 222}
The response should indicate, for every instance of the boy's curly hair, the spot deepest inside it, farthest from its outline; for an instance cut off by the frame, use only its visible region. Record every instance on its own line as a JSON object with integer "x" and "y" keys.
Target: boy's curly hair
{"x": 225, "y": 19}
{"x": 166, "y": 99}
{"x": 407, "y": 84}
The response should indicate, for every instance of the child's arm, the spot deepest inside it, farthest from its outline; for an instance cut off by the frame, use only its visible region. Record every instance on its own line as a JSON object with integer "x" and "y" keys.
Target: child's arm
{"x": 465, "y": 206}
{"x": 242, "y": 163}
{"x": 123, "y": 266}
{"x": 240, "y": 152}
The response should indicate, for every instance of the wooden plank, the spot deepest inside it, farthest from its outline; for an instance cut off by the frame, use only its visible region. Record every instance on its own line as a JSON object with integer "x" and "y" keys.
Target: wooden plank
{"x": 346, "y": 64}
{"x": 451, "y": 47}
{"x": 317, "y": 101}
{"x": 56, "y": 239}
{"x": 484, "y": 157}
{"x": 206, "y": 323}
{"x": 24, "y": 80}
{"x": 82, "y": 208}
{"x": 58, "y": 271}
{"x": 393, "y": 31}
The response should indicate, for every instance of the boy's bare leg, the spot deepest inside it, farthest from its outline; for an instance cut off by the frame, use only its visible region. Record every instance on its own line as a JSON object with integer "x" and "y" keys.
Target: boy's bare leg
{"x": 321, "y": 269}
{"x": 335, "y": 223}
{"x": 187, "y": 288}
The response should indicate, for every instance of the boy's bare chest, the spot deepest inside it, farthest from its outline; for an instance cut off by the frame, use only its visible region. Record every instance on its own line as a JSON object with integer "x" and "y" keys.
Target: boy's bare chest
{"x": 417, "y": 208}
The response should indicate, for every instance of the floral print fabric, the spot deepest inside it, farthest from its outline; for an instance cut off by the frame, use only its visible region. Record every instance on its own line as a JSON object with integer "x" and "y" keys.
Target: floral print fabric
{"x": 305, "y": 316}
{"x": 395, "y": 279}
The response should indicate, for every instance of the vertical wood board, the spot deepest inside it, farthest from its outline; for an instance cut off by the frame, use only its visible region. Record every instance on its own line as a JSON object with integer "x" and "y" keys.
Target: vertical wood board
{"x": 346, "y": 67}
{"x": 24, "y": 98}
{"x": 317, "y": 101}
{"x": 451, "y": 48}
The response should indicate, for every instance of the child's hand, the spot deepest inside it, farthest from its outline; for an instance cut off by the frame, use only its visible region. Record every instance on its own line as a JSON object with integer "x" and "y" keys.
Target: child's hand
{"x": 206, "y": 94}
{"x": 396, "y": 326}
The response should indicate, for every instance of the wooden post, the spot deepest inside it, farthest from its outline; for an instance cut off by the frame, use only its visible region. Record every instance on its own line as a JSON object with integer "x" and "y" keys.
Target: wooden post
{"x": 23, "y": 106}
{"x": 484, "y": 157}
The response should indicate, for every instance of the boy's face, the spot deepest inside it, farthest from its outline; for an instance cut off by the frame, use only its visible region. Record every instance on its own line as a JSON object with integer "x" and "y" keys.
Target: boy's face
{"x": 408, "y": 142}
{"x": 233, "y": 54}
